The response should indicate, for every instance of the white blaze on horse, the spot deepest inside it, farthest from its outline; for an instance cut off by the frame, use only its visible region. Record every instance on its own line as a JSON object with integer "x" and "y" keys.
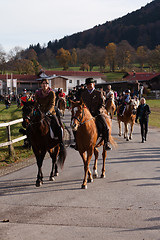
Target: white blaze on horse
{"x": 127, "y": 118}
{"x": 110, "y": 106}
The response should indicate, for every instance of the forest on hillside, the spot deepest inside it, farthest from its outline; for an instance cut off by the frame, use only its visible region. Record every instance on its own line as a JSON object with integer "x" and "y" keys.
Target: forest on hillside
{"x": 128, "y": 43}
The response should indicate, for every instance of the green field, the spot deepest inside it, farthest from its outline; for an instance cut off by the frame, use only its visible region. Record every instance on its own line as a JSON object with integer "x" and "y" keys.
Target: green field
{"x": 154, "y": 117}
{"x": 21, "y": 153}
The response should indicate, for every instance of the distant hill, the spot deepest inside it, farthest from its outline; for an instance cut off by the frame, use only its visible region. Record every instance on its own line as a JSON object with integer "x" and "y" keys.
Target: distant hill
{"x": 141, "y": 27}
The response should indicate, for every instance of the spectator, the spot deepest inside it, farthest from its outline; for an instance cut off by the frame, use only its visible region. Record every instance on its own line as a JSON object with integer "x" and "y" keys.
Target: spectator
{"x": 143, "y": 112}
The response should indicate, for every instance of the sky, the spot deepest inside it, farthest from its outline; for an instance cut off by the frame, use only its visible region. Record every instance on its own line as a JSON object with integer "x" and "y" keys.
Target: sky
{"x": 25, "y": 22}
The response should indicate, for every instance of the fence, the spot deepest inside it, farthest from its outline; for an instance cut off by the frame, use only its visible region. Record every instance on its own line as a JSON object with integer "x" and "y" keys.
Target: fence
{"x": 10, "y": 142}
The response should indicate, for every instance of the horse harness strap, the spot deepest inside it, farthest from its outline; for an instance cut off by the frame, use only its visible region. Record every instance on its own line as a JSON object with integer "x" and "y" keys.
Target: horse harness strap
{"x": 80, "y": 120}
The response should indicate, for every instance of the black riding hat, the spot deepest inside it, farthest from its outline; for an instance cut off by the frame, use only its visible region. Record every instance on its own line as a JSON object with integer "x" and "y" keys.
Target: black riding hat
{"x": 89, "y": 80}
{"x": 127, "y": 91}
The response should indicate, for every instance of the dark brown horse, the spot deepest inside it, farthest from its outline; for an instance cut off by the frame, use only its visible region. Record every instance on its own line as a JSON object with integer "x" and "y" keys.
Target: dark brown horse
{"x": 127, "y": 118}
{"x": 40, "y": 137}
{"x": 86, "y": 139}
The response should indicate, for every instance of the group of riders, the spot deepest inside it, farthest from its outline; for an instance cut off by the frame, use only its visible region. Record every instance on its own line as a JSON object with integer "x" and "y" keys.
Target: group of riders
{"x": 94, "y": 99}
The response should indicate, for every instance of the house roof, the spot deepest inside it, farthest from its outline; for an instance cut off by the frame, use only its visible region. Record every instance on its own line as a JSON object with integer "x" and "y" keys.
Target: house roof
{"x": 140, "y": 76}
{"x": 19, "y": 77}
{"x": 75, "y": 73}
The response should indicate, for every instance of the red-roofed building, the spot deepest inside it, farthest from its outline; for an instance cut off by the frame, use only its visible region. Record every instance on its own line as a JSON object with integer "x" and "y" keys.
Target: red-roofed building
{"x": 57, "y": 79}
{"x": 152, "y": 80}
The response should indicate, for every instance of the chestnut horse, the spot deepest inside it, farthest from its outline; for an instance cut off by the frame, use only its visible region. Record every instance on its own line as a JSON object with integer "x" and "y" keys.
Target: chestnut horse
{"x": 127, "y": 118}
{"x": 86, "y": 139}
{"x": 41, "y": 139}
{"x": 61, "y": 104}
{"x": 110, "y": 106}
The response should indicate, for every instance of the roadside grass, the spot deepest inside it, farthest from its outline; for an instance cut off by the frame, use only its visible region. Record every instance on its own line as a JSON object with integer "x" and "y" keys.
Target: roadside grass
{"x": 21, "y": 153}
{"x": 154, "y": 117}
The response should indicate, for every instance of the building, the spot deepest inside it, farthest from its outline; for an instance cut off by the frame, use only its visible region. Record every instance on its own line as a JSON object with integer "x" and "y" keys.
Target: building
{"x": 16, "y": 83}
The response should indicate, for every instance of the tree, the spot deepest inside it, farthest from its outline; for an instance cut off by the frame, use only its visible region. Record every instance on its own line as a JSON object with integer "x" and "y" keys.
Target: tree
{"x": 125, "y": 54}
{"x": 74, "y": 57}
{"x": 111, "y": 49}
{"x": 154, "y": 58}
{"x": 142, "y": 53}
{"x": 64, "y": 58}
{"x": 2, "y": 59}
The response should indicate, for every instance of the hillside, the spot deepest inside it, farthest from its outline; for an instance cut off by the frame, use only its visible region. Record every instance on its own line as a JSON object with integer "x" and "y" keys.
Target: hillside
{"x": 140, "y": 27}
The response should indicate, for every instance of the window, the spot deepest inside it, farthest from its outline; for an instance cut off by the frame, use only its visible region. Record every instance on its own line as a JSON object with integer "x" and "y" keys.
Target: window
{"x": 70, "y": 81}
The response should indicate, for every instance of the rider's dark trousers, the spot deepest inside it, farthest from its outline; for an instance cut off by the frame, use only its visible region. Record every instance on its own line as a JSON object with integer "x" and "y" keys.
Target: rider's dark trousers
{"x": 102, "y": 127}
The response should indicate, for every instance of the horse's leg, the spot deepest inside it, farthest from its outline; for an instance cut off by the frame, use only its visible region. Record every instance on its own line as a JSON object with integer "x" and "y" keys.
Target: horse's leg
{"x": 104, "y": 155}
{"x": 120, "y": 128}
{"x": 54, "y": 154}
{"x": 126, "y": 131}
{"x": 39, "y": 157}
{"x": 95, "y": 172}
{"x": 131, "y": 130}
{"x": 87, "y": 171}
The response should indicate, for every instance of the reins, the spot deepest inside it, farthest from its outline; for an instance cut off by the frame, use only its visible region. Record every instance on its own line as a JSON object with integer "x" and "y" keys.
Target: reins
{"x": 80, "y": 120}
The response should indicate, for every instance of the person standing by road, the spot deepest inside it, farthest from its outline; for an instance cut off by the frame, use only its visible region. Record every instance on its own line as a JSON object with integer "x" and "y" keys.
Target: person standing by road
{"x": 143, "y": 112}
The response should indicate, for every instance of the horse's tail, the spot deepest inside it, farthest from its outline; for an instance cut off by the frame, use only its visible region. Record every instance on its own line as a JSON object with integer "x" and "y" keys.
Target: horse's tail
{"x": 62, "y": 155}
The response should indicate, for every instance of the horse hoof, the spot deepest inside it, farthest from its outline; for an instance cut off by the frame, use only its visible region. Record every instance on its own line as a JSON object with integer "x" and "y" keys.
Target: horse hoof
{"x": 56, "y": 174}
{"x": 127, "y": 139}
{"x": 52, "y": 179}
{"x": 90, "y": 180}
{"x": 39, "y": 183}
{"x": 103, "y": 176}
{"x": 95, "y": 175}
{"x": 84, "y": 186}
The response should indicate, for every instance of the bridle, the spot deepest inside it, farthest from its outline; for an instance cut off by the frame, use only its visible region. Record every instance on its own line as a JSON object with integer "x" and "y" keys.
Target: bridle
{"x": 80, "y": 120}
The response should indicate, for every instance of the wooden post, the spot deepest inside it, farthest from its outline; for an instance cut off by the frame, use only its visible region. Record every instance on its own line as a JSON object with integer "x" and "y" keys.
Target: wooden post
{"x": 10, "y": 146}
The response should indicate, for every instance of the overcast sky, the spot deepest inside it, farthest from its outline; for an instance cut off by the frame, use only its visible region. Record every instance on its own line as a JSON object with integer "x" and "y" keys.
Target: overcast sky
{"x": 25, "y": 22}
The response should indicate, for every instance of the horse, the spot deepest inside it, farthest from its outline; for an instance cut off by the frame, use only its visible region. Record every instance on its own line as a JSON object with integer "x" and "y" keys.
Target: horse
{"x": 86, "y": 139}
{"x": 39, "y": 134}
{"x": 110, "y": 106}
{"x": 128, "y": 117}
{"x": 61, "y": 104}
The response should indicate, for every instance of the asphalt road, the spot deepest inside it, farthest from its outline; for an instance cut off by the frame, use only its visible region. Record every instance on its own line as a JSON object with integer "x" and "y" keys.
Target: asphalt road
{"x": 125, "y": 205}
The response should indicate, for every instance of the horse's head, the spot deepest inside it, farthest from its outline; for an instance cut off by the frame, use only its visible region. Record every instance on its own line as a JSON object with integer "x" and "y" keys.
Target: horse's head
{"x": 77, "y": 112}
{"x": 27, "y": 112}
{"x": 133, "y": 106}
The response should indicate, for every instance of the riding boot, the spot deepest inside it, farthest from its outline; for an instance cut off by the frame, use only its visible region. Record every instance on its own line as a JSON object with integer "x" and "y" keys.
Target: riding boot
{"x": 103, "y": 128}
{"x": 106, "y": 140}
{"x": 57, "y": 128}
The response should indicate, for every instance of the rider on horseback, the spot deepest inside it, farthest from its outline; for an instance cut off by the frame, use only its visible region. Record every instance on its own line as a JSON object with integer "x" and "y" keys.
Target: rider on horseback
{"x": 126, "y": 99}
{"x": 109, "y": 93}
{"x": 95, "y": 103}
{"x": 45, "y": 97}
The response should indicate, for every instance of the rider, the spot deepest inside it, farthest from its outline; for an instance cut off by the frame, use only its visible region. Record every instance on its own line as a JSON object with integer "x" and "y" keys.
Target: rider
{"x": 126, "y": 99}
{"x": 95, "y": 103}
{"x": 109, "y": 93}
{"x": 45, "y": 97}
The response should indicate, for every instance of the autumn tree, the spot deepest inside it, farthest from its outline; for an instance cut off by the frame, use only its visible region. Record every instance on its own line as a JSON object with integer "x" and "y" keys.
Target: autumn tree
{"x": 125, "y": 55}
{"x": 47, "y": 58}
{"x": 154, "y": 58}
{"x": 142, "y": 54}
{"x": 64, "y": 58}
{"x": 74, "y": 57}
{"x": 110, "y": 59}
